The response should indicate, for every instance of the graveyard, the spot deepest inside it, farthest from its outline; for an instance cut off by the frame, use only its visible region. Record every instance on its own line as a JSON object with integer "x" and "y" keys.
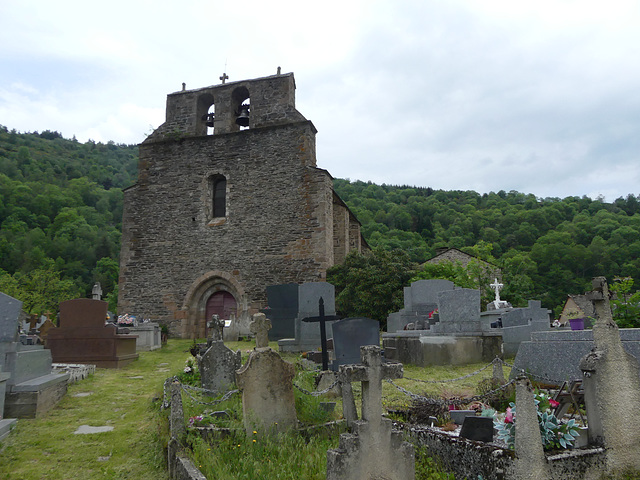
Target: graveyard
{"x": 347, "y": 408}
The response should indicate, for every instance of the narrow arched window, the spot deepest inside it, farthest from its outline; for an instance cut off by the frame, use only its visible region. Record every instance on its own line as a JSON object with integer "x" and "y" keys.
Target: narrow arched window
{"x": 219, "y": 196}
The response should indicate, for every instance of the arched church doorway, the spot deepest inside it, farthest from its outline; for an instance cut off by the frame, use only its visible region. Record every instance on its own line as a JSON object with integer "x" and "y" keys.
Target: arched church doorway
{"x": 222, "y": 304}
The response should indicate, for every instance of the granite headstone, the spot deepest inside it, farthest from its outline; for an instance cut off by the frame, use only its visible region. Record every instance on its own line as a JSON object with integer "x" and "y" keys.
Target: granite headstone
{"x": 349, "y": 334}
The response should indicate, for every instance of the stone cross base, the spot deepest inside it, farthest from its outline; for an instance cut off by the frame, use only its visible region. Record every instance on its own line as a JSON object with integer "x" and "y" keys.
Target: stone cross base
{"x": 368, "y": 455}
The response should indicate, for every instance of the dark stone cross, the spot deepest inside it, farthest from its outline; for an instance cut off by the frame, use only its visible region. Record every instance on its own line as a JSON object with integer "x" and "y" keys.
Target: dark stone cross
{"x": 224, "y": 77}
{"x": 322, "y": 318}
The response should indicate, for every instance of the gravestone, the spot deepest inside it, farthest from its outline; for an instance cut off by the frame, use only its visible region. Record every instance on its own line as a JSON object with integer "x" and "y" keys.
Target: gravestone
{"x": 260, "y": 327}
{"x": 149, "y": 336}
{"x": 30, "y": 387}
{"x": 268, "y": 402}
{"x": 611, "y": 388}
{"x": 83, "y": 337}
{"x": 479, "y": 429}
{"x": 555, "y": 354}
{"x": 420, "y": 300}
{"x": 218, "y": 367}
{"x": 231, "y": 330}
{"x": 373, "y": 450}
{"x": 459, "y": 312}
{"x": 455, "y": 337}
{"x": 307, "y": 335}
{"x": 349, "y": 335}
{"x": 282, "y": 310}
{"x": 519, "y": 323}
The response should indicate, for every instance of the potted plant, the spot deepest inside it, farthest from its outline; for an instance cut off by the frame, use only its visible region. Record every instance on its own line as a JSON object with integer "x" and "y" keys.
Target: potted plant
{"x": 576, "y": 320}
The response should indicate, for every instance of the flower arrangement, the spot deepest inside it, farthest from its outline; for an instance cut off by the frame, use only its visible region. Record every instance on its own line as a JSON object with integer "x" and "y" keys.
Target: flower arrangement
{"x": 126, "y": 320}
{"x": 189, "y": 366}
{"x": 554, "y": 433}
{"x": 190, "y": 374}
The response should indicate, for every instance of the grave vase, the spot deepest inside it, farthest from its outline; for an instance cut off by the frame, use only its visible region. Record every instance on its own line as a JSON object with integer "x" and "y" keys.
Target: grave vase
{"x": 576, "y": 323}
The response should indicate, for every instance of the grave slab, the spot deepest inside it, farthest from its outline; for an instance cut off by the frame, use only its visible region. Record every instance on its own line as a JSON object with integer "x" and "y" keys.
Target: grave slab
{"x": 83, "y": 337}
{"x": 268, "y": 402}
{"x": 88, "y": 429}
{"x": 32, "y": 387}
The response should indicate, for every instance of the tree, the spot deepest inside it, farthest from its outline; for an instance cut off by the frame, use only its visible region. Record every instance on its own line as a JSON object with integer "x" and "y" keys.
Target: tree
{"x": 42, "y": 290}
{"x": 371, "y": 284}
{"x": 626, "y": 305}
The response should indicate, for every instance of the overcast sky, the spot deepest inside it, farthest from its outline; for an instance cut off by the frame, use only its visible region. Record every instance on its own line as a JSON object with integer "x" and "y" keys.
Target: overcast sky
{"x": 539, "y": 96}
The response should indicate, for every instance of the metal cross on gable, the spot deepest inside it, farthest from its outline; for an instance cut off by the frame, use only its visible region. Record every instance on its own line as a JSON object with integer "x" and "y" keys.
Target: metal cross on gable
{"x": 224, "y": 77}
{"x": 322, "y": 319}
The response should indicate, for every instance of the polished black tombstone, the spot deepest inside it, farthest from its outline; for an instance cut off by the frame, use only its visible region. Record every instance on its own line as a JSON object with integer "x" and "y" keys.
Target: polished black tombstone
{"x": 349, "y": 334}
{"x": 282, "y": 310}
{"x": 479, "y": 429}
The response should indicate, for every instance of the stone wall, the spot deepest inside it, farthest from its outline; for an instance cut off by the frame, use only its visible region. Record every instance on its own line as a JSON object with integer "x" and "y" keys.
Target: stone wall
{"x": 468, "y": 459}
{"x": 280, "y": 208}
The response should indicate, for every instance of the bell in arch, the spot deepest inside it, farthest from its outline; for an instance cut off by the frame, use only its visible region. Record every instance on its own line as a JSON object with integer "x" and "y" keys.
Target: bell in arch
{"x": 243, "y": 116}
{"x": 209, "y": 119}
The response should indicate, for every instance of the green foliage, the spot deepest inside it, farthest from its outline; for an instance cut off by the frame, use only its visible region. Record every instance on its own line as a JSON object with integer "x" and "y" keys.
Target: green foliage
{"x": 40, "y": 290}
{"x": 626, "y": 305}
{"x": 60, "y": 215}
{"x": 429, "y": 468}
{"x": 370, "y": 284}
{"x": 190, "y": 374}
{"x": 554, "y": 434}
{"x": 546, "y": 247}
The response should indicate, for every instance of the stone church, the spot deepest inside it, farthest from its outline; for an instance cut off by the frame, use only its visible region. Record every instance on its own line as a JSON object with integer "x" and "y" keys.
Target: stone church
{"x": 229, "y": 200}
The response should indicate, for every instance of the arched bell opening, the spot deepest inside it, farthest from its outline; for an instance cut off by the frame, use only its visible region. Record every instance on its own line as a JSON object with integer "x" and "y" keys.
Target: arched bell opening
{"x": 241, "y": 103}
{"x": 205, "y": 117}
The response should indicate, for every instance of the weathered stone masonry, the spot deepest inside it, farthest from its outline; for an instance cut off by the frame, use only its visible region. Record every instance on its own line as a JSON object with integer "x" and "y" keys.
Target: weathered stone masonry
{"x": 283, "y": 223}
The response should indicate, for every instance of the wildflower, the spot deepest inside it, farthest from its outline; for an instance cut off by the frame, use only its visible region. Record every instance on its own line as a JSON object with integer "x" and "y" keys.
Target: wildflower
{"x": 508, "y": 418}
{"x": 254, "y": 440}
{"x": 254, "y": 432}
{"x": 553, "y": 403}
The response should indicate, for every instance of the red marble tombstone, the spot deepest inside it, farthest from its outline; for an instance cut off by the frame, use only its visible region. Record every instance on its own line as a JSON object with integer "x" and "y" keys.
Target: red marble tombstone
{"x": 83, "y": 337}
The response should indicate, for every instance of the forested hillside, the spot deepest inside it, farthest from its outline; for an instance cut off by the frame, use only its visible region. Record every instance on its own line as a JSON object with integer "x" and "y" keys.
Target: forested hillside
{"x": 61, "y": 209}
{"x": 60, "y": 215}
{"x": 547, "y": 248}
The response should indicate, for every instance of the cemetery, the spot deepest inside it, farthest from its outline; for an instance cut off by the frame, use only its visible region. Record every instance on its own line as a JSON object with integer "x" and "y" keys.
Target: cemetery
{"x": 348, "y": 409}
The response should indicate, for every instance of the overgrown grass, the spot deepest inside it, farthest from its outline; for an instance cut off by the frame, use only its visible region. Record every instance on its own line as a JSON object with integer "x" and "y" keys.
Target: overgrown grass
{"x": 129, "y": 400}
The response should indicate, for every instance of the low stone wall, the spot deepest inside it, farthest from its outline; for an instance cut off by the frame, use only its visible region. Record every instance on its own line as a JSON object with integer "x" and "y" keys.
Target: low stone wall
{"x": 186, "y": 470}
{"x": 180, "y": 467}
{"x": 468, "y": 459}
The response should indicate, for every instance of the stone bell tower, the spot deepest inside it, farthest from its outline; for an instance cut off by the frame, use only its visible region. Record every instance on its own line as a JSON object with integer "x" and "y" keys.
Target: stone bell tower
{"x": 228, "y": 201}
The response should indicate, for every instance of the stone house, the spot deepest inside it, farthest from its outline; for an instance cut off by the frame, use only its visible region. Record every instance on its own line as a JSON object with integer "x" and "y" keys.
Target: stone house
{"x": 577, "y": 306}
{"x": 229, "y": 200}
{"x": 453, "y": 255}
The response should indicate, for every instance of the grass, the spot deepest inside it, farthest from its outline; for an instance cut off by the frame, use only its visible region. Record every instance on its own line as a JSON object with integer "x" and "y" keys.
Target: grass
{"x": 46, "y": 448}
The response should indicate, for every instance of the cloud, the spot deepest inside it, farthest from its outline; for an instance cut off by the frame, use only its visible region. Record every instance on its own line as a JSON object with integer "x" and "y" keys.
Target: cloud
{"x": 538, "y": 96}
